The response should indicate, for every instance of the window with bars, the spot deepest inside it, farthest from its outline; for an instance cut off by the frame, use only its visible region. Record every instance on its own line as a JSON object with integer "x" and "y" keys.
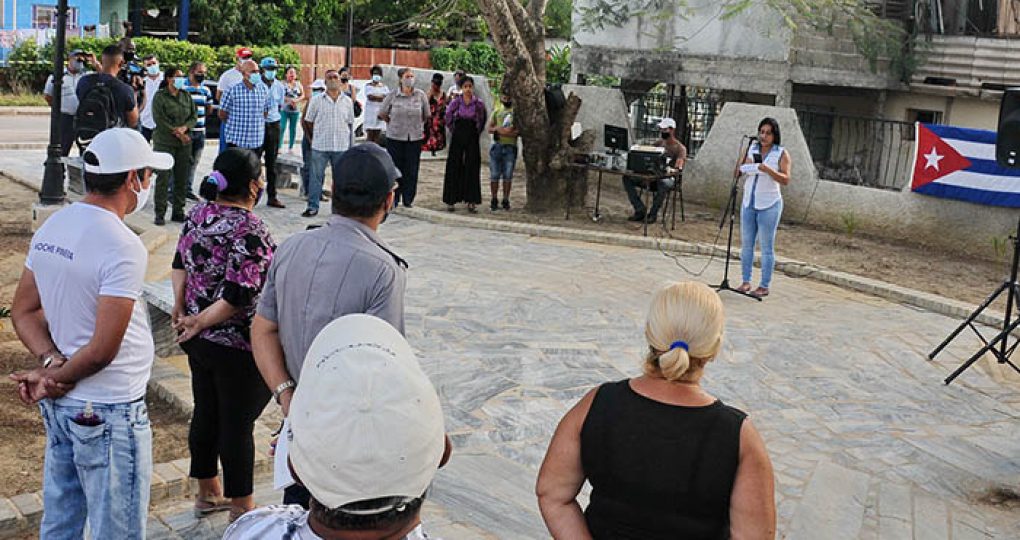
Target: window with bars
{"x": 45, "y": 17}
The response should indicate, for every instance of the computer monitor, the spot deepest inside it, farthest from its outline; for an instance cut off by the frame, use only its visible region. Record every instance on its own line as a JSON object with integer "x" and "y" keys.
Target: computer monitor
{"x": 616, "y": 138}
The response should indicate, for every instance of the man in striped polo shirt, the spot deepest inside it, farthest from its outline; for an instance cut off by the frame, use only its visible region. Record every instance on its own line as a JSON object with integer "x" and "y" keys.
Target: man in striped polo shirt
{"x": 202, "y": 97}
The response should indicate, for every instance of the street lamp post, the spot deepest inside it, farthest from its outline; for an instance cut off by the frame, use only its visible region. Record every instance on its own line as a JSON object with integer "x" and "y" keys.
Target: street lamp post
{"x": 350, "y": 34}
{"x": 184, "y": 20}
{"x": 52, "y": 191}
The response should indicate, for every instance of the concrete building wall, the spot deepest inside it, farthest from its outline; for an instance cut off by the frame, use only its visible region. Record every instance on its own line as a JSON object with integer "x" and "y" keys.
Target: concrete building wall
{"x": 755, "y": 51}
{"x": 900, "y": 215}
{"x": 968, "y": 112}
{"x": 755, "y": 34}
{"x": 88, "y": 12}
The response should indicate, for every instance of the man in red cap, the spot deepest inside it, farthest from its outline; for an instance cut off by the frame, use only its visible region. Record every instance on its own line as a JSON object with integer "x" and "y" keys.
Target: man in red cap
{"x": 230, "y": 78}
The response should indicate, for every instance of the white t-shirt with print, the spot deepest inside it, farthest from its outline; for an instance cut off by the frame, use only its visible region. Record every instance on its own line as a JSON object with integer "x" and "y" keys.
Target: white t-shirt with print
{"x": 81, "y": 253}
{"x": 286, "y": 523}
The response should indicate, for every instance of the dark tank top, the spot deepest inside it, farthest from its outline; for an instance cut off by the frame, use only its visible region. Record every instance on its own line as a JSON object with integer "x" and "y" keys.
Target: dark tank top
{"x": 658, "y": 471}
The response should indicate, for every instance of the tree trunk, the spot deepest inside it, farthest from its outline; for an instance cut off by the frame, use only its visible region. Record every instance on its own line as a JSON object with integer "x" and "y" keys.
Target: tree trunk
{"x": 518, "y": 35}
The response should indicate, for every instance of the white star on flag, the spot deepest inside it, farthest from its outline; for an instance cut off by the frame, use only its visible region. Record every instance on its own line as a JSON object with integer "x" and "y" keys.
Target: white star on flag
{"x": 933, "y": 159}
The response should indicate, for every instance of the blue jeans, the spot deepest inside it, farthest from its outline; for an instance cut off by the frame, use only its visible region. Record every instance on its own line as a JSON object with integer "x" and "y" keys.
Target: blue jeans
{"x": 631, "y": 186}
{"x": 99, "y": 472}
{"x": 760, "y": 225}
{"x": 502, "y": 159}
{"x": 317, "y": 174}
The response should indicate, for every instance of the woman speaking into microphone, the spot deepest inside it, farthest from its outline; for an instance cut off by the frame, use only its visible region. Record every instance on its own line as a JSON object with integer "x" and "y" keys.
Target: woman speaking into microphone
{"x": 763, "y": 204}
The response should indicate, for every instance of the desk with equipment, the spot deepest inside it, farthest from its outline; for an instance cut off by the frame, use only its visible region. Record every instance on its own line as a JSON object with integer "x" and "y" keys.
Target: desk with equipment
{"x": 645, "y": 164}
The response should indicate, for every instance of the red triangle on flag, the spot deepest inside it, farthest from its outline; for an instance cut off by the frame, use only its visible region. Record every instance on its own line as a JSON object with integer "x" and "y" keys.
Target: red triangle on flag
{"x": 935, "y": 158}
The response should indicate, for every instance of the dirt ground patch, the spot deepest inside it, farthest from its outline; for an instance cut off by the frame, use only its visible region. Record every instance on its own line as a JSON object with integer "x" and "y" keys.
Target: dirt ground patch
{"x": 935, "y": 271}
{"x": 22, "y": 437}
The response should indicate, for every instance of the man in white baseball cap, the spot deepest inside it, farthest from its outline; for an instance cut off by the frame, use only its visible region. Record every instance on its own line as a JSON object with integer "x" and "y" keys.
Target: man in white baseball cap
{"x": 676, "y": 153}
{"x": 366, "y": 439}
{"x": 78, "y": 309}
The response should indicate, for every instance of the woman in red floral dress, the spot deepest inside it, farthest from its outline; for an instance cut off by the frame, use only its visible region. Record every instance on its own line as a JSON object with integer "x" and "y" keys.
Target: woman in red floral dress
{"x": 435, "y": 127}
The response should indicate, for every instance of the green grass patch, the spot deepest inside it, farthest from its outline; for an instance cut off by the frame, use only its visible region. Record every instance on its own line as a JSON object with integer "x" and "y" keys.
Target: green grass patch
{"x": 22, "y": 100}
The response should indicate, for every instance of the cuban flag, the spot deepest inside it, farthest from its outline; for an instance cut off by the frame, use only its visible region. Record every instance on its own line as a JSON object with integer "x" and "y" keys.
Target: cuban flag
{"x": 959, "y": 163}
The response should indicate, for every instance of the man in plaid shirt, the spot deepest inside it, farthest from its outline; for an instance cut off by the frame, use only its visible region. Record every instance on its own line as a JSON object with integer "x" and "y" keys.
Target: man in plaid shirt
{"x": 244, "y": 109}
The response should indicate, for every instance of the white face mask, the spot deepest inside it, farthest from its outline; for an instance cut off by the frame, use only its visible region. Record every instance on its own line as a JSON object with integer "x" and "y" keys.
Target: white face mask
{"x": 142, "y": 196}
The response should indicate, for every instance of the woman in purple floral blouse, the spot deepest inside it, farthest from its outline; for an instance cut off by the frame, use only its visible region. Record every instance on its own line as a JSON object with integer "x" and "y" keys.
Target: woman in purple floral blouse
{"x": 466, "y": 116}
{"x": 218, "y": 272}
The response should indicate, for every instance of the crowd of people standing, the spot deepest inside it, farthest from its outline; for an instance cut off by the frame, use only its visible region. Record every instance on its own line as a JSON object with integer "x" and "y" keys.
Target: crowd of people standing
{"x": 257, "y": 326}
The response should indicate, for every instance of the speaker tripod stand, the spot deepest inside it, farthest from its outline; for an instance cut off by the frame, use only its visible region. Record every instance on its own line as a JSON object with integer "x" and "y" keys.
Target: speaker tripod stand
{"x": 999, "y": 345}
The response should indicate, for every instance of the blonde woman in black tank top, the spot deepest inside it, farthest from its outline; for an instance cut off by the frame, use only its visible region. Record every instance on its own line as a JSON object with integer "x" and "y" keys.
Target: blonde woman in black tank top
{"x": 665, "y": 459}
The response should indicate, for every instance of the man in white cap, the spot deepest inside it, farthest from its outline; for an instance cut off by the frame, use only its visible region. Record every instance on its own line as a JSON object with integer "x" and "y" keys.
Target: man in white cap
{"x": 78, "y": 309}
{"x": 676, "y": 152}
{"x": 366, "y": 439}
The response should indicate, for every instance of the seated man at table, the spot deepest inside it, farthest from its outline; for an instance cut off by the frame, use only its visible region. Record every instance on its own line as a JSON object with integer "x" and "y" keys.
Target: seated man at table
{"x": 676, "y": 154}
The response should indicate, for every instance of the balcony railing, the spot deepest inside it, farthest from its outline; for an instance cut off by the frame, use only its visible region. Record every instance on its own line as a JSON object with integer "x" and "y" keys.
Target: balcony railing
{"x": 857, "y": 150}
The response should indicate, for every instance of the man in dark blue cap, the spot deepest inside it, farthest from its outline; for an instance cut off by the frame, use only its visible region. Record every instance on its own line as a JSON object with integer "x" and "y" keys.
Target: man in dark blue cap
{"x": 322, "y": 274}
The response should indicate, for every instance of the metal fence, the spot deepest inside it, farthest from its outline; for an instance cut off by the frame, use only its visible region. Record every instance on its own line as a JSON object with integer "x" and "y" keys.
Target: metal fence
{"x": 858, "y": 150}
{"x": 694, "y": 109}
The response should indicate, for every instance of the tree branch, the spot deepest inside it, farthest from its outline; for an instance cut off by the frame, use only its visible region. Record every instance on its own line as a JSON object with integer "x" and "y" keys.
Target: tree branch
{"x": 536, "y": 9}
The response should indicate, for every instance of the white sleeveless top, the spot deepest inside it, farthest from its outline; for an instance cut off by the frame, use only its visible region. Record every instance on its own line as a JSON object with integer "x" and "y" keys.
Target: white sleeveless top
{"x": 765, "y": 188}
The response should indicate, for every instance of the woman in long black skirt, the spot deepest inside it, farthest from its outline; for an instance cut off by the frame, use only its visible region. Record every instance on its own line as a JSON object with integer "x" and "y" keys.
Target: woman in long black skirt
{"x": 466, "y": 116}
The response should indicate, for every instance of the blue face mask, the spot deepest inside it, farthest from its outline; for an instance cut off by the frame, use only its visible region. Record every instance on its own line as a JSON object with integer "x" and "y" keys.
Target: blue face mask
{"x": 376, "y": 78}
{"x": 255, "y": 78}
{"x": 153, "y": 69}
{"x": 180, "y": 82}
{"x": 270, "y": 75}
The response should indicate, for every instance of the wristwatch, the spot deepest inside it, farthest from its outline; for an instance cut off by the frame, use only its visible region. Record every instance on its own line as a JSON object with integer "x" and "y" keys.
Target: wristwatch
{"x": 50, "y": 357}
{"x": 284, "y": 386}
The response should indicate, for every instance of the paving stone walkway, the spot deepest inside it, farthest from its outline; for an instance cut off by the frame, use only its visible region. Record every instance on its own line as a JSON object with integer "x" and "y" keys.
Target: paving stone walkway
{"x": 866, "y": 440}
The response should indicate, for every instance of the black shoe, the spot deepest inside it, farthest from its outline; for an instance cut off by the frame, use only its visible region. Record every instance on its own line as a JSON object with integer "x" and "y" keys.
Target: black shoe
{"x": 506, "y": 204}
{"x": 191, "y": 196}
{"x": 309, "y": 213}
{"x": 159, "y": 221}
{"x": 494, "y": 204}
{"x": 408, "y": 205}
{"x": 638, "y": 216}
{"x": 651, "y": 218}
{"x": 179, "y": 218}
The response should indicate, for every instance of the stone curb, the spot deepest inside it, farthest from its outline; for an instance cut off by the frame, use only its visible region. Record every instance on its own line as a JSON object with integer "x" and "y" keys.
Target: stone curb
{"x": 794, "y": 268}
{"x": 23, "y": 146}
{"x": 25, "y": 111}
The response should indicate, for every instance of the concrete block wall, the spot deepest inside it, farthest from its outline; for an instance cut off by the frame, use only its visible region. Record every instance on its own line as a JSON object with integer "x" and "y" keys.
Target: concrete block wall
{"x": 899, "y": 215}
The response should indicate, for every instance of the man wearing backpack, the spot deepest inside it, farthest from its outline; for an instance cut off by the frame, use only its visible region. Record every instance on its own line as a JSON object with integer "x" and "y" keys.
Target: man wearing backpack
{"x": 103, "y": 100}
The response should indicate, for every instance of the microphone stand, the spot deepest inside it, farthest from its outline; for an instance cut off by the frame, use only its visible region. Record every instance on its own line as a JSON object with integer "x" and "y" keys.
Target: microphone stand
{"x": 731, "y": 212}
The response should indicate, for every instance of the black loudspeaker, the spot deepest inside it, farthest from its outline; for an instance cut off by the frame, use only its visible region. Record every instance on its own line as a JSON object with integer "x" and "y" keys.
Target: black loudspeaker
{"x": 1007, "y": 145}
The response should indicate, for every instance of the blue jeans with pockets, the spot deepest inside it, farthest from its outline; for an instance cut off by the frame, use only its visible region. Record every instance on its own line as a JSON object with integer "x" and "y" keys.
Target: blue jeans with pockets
{"x": 99, "y": 472}
{"x": 760, "y": 225}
